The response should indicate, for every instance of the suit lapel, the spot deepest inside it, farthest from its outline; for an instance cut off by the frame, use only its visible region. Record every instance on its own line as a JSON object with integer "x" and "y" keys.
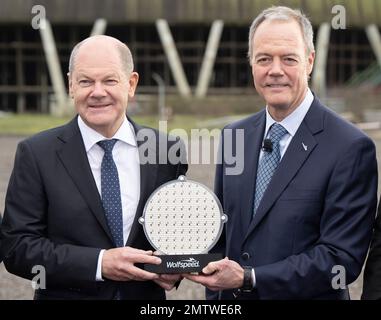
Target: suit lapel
{"x": 74, "y": 159}
{"x": 148, "y": 174}
{"x": 252, "y": 142}
{"x": 301, "y": 146}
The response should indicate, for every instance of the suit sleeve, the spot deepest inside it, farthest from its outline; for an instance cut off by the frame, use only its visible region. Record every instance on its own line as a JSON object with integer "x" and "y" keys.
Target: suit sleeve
{"x": 218, "y": 188}
{"x": 182, "y": 166}
{"x": 25, "y": 235}
{"x": 372, "y": 274}
{"x": 345, "y": 231}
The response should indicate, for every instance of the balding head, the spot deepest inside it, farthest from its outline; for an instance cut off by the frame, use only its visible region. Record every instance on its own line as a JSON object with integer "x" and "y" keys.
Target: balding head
{"x": 101, "y": 80}
{"x": 105, "y": 43}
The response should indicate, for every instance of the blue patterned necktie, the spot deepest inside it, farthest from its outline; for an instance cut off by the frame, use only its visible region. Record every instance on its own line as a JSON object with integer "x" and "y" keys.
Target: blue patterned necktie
{"x": 269, "y": 162}
{"x": 111, "y": 199}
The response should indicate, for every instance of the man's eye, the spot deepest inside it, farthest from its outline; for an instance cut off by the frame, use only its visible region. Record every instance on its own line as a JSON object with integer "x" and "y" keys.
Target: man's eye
{"x": 84, "y": 83}
{"x": 111, "y": 82}
{"x": 290, "y": 61}
{"x": 263, "y": 60}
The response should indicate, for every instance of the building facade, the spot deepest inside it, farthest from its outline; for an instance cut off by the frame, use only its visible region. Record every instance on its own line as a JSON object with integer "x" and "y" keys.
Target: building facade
{"x": 25, "y": 82}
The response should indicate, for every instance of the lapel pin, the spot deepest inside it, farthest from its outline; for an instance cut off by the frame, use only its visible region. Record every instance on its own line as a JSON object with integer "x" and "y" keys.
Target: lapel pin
{"x": 304, "y": 147}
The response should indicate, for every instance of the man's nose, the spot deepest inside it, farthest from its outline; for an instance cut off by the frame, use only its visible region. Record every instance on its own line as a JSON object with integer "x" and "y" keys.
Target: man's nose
{"x": 98, "y": 90}
{"x": 276, "y": 68}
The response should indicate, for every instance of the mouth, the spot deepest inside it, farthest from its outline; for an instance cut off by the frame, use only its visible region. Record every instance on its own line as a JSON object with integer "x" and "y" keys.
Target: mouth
{"x": 276, "y": 85}
{"x": 99, "y": 106}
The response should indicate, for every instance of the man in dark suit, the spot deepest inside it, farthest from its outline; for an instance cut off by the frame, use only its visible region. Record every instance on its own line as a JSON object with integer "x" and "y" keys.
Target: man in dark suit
{"x": 372, "y": 273}
{"x": 301, "y": 212}
{"x": 76, "y": 192}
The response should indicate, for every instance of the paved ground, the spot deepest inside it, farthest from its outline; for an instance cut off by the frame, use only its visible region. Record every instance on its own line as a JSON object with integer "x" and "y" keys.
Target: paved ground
{"x": 12, "y": 287}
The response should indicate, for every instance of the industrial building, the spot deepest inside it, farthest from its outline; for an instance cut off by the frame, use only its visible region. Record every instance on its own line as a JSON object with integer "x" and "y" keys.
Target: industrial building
{"x": 25, "y": 78}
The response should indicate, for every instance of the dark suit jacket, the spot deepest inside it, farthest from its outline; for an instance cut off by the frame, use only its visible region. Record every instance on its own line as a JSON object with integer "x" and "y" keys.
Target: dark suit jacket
{"x": 372, "y": 273}
{"x": 316, "y": 213}
{"x": 54, "y": 215}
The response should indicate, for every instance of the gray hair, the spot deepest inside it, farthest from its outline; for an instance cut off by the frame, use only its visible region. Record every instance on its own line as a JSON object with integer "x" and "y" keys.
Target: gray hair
{"x": 124, "y": 53}
{"x": 283, "y": 14}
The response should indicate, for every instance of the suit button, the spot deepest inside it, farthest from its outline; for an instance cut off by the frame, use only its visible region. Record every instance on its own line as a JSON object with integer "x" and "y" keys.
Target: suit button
{"x": 245, "y": 256}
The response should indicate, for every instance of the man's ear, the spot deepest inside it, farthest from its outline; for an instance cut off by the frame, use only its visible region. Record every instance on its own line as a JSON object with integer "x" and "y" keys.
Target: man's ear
{"x": 310, "y": 62}
{"x": 133, "y": 83}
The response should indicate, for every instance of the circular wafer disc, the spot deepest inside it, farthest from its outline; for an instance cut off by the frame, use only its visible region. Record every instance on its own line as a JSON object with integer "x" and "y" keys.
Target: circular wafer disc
{"x": 183, "y": 217}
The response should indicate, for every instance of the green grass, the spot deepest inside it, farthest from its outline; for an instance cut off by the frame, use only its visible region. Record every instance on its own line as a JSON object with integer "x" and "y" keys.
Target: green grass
{"x": 28, "y": 124}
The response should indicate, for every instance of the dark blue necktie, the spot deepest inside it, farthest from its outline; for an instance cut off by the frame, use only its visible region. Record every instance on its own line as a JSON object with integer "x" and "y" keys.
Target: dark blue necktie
{"x": 111, "y": 199}
{"x": 269, "y": 162}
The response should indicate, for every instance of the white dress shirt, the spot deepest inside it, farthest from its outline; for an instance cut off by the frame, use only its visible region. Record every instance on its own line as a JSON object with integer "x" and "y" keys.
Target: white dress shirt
{"x": 126, "y": 157}
{"x": 291, "y": 123}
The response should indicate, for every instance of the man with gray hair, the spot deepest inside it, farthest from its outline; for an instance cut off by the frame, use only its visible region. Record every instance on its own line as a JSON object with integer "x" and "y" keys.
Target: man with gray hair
{"x": 300, "y": 215}
{"x": 76, "y": 192}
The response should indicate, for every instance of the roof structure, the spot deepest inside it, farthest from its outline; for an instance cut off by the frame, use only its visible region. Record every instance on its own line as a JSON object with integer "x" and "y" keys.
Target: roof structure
{"x": 241, "y": 12}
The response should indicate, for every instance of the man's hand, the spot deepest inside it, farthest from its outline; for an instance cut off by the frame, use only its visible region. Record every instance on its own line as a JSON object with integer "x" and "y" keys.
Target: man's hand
{"x": 168, "y": 281}
{"x": 219, "y": 275}
{"x": 118, "y": 264}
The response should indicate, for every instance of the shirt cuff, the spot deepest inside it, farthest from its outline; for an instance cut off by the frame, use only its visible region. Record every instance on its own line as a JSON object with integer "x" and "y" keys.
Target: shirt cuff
{"x": 98, "y": 276}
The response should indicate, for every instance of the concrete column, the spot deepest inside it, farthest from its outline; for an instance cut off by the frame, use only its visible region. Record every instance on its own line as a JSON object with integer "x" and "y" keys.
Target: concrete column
{"x": 173, "y": 57}
{"x": 99, "y": 27}
{"x": 375, "y": 41}
{"x": 19, "y": 75}
{"x": 44, "y": 92}
{"x": 319, "y": 73}
{"x": 161, "y": 102}
{"x": 209, "y": 58}
{"x": 61, "y": 99}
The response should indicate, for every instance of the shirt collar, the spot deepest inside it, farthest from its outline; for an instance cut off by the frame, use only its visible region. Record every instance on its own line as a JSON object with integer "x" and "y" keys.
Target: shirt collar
{"x": 125, "y": 133}
{"x": 292, "y": 122}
